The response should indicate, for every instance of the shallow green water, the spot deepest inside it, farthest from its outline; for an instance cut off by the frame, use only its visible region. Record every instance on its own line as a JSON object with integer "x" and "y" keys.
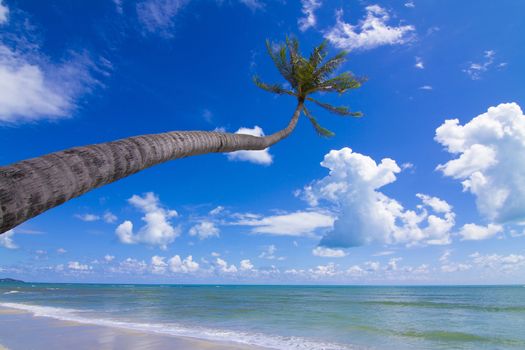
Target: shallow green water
{"x": 295, "y": 317}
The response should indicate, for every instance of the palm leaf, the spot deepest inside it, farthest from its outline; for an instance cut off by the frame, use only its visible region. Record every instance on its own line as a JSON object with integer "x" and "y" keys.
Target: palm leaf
{"x": 339, "y": 110}
{"x": 318, "y": 128}
{"x": 273, "y": 88}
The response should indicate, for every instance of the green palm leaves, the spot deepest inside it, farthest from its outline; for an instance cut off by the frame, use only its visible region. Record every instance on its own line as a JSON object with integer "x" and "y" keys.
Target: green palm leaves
{"x": 306, "y": 76}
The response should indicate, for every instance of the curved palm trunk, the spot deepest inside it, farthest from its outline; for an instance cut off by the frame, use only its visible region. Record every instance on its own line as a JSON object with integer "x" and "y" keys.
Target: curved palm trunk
{"x": 32, "y": 186}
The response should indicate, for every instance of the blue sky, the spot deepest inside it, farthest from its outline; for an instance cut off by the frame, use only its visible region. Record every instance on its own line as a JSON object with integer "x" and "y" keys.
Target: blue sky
{"x": 426, "y": 188}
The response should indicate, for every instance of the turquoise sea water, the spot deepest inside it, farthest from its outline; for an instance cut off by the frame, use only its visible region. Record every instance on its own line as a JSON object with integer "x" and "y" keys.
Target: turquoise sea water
{"x": 294, "y": 317}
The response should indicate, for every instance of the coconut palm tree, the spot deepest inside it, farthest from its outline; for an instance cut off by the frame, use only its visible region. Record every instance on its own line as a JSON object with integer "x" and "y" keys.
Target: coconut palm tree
{"x": 32, "y": 186}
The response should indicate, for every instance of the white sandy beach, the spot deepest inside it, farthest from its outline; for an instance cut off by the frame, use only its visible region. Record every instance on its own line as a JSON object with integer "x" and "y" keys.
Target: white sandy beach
{"x": 21, "y": 330}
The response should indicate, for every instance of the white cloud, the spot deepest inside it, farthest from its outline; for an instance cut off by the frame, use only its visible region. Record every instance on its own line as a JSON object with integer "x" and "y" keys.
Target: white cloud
{"x": 130, "y": 266}
{"x": 217, "y": 210}
{"x": 328, "y": 252}
{"x": 419, "y": 63}
{"x": 109, "y": 217}
{"x": 299, "y": 223}
{"x": 32, "y": 89}
{"x": 327, "y": 270}
{"x": 262, "y": 157}
{"x": 246, "y": 265}
{"x": 410, "y": 4}
{"x": 476, "y": 232}
{"x": 372, "y": 266}
{"x": 455, "y": 267}
{"x": 504, "y": 263}
{"x": 490, "y": 161}
{"x": 157, "y": 230}
{"x": 308, "y": 9}
{"x": 178, "y": 265}
{"x": 384, "y": 253}
{"x": 392, "y": 264}
{"x": 222, "y": 266}
{"x": 438, "y": 205}
{"x": 371, "y": 32}
{"x": 269, "y": 253}
{"x": 4, "y": 13}
{"x": 426, "y": 87}
{"x": 253, "y": 4}
{"x": 87, "y": 217}
{"x": 61, "y": 251}
{"x": 109, "y": 258}
{"x": 365, "y": 214}
{"x": 6, "y": 240}
{"x": 476, "y": 70}
{"x": 158, "y": 265}
{"x": 75, "y": 265}
{"x": 205, "y": 229}
{"x": 158, "y": 16}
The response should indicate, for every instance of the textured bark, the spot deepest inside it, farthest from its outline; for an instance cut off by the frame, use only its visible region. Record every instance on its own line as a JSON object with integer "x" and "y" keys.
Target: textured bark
{"x": 32, "y": 186}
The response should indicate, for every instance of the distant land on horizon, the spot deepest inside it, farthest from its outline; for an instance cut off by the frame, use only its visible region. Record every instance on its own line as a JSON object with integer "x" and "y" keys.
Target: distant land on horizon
{"x": 10, "y": 280}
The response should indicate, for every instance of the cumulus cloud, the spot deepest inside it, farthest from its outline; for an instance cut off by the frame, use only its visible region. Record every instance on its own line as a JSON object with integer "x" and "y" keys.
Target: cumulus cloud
{"x": 205, "y": 229}
{"x": 262, "y": 157}
{"x": 246, "y": 265}
{"x": 369, "y": 33}
{"x": 130, "y": 266}
{"x": 328, "y": 252}
{"x": 366, "y": 215}
{"x": 308, "y": 9}
{"x": 222, "y": 266}
{"x": 157, "y": 230}
{"x": 158, "y": 265}
{"x": 75, "y": 265}
{"x": 475, "y": 232}
{"x": 490, "y": 160}
{"x": 187, "y": 265}
{"x": 6, "y": 240}
{"x": 504, "y": 263}
{"x": 300, "y": 223}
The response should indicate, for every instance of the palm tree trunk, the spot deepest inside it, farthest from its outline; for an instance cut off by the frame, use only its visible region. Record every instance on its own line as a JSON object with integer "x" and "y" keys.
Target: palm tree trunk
{"x": 32, "y": 186}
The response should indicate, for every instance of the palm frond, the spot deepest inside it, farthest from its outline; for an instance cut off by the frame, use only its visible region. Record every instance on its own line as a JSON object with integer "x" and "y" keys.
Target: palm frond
{"x": 280, "y": 61}
{"x": 318, "y": 128}
{"x": 318, "y": 55}
{"x": 331, "y": 65}
{"x": 341, "y": 83}
{"x": 273, "y": 88}
{"x": 339, "y": 110}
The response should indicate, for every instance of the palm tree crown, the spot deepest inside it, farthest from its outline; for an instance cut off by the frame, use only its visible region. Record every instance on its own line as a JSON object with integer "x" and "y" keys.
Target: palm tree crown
{"x": 306, "y": 76}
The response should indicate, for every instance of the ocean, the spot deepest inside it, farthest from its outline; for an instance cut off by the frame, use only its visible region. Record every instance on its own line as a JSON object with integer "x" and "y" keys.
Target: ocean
{"x": 293, "y": 317}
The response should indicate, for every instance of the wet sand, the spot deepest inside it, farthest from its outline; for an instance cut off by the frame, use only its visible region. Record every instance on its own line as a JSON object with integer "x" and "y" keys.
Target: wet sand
{"x": 21, "y": 330}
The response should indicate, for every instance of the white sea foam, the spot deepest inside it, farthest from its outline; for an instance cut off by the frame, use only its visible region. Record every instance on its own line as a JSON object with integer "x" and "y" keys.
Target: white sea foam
{"x": 12, "y": 292}
{"x": 257, "y": 339}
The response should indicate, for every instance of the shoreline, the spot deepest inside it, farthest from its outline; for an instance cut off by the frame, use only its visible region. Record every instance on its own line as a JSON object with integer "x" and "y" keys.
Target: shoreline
{"x": 23, "y": 330}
